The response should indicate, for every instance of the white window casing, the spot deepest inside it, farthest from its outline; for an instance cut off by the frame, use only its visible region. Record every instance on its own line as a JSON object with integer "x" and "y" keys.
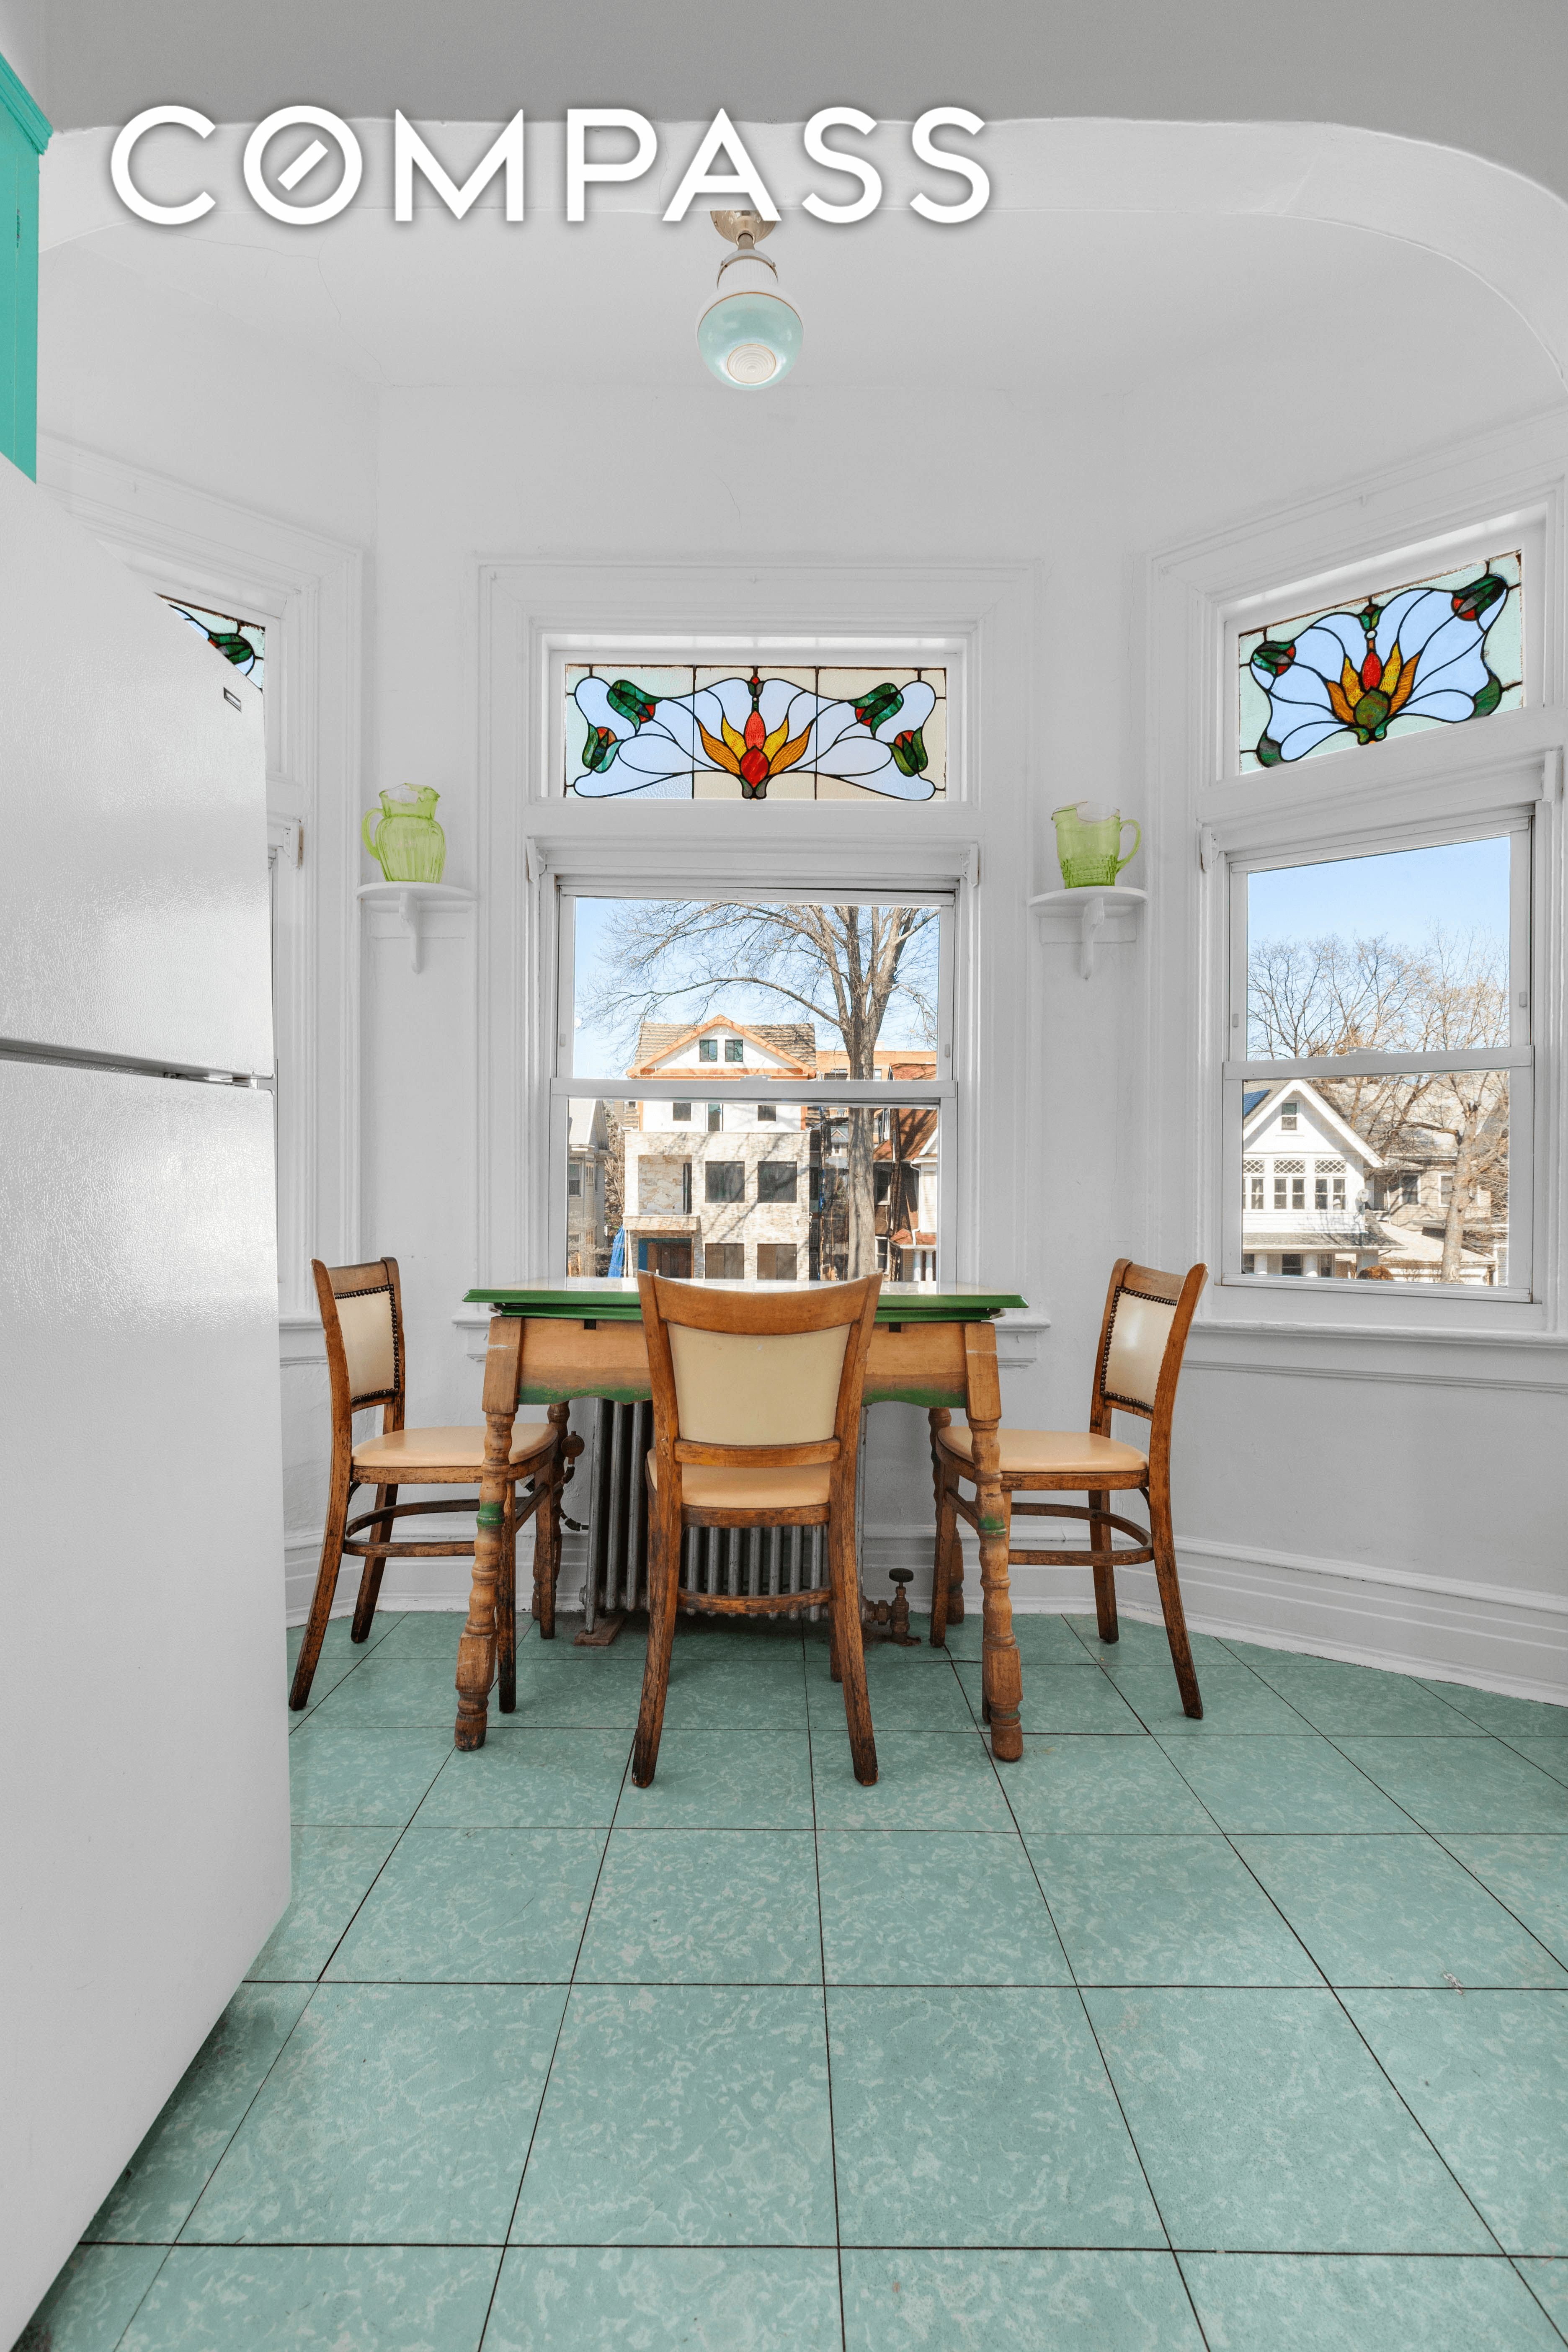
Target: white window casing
{"x": 1477, "y": 779}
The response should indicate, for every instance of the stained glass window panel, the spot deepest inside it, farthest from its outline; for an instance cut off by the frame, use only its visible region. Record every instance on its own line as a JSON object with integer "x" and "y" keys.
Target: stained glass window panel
{"x": 1426, "y": 653}
{"x": 763, "y": 731}
{"x": 242, "y": 642}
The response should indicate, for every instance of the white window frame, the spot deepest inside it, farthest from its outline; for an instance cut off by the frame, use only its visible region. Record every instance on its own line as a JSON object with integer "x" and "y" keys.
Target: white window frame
{"x": 1419, "y": 517}
{"x": 981, "y": 619}
{"x": 567, "y": 1084}
{"x": 1239, "y": 1074}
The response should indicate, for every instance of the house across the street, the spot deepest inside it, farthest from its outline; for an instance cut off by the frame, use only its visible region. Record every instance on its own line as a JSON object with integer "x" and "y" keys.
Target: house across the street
{"x": 1319, "y": 1201}
{"x": 731, "y": 1183}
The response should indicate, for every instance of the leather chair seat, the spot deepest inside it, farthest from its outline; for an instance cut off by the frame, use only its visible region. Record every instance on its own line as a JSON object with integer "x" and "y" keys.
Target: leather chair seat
{"x": 710, "y": 1487}
{"x": 396, "y": 1458}
{"x": 1077, "y": 1457}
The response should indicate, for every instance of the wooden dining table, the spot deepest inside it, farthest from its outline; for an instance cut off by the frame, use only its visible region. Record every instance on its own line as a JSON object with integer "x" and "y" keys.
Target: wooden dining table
{"x": 581, "y": 1337}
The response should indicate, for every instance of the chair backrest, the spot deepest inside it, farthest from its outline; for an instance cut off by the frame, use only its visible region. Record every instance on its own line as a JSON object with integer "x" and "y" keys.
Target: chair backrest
{"x": 1141, "y": 1341}
{"x": 758, "y": 1377}
{"x": 361, "y": 1316}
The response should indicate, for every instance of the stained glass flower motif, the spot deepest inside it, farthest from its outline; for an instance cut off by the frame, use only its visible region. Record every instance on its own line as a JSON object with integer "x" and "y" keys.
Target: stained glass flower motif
{"x": 757, "y": 730}
{"x": 241, "y": 643}
{"x": 1434, "y": 652}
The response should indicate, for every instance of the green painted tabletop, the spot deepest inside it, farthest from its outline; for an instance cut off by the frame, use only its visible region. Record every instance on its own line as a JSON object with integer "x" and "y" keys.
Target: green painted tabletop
{"x": 586, "y": 1297}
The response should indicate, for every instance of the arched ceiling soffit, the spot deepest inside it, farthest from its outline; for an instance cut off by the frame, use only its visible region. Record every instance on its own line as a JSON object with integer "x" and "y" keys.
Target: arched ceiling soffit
{"x": 1509, "y": 231}
{"x": 1486, "y": 80}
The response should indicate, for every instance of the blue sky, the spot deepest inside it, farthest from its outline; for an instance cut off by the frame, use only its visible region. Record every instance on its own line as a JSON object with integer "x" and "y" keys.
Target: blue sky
{"x": 1401, "y": 895}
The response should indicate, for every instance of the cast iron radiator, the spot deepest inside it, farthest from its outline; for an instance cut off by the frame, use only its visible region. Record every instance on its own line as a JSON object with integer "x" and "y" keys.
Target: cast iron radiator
{"x": 751, "y": 1560}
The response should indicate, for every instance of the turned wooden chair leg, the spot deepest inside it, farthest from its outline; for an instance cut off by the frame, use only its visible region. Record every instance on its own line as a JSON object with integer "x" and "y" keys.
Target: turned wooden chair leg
{"x": 1099, "y": 1540}
{"x": 322, "y": 1598}
{"x": 947, "y": 1569}
{"x": 663, "y": 1572}
{"x": 845, "y": 1606}
{"x": 547, "y": 1545}
{"x": 505, "y": 1608}
{"x": 1165, "y": 1549}
{"x": 370, "y": 1582}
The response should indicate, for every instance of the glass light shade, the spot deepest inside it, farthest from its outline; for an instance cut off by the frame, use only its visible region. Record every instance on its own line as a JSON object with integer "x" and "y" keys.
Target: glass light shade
{"x": 748, "y": 334}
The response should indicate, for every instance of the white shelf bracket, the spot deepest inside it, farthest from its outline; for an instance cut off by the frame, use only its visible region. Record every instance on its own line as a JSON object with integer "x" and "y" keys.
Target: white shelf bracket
{"x": 1077, "y": 917}
{"x": 1089, "y": 925}
{"x": 408, "y": 915}
{"x": 410, "y": 902}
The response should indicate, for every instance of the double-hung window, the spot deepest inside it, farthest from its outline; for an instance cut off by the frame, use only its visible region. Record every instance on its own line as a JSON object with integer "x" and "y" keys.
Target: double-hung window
{"x": 815, "y": 1021}
{"x": 1378, "y": 1077}
{"x": 839, "y": 1171}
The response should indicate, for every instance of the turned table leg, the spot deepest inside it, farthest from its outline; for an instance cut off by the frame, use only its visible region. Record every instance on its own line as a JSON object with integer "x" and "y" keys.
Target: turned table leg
{"x": 1000, "y": 1679}
{"x": 476, "y": 1649}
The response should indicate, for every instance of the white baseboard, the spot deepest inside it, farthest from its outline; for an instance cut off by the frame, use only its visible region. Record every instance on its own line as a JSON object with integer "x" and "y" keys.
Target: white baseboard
{"x": 1501, "y": 1638}
{"x": 1493, "y": 1637}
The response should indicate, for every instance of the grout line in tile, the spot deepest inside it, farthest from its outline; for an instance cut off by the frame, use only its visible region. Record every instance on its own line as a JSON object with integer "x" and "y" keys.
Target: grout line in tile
{"x": 315, "y": 1985}
{"x": 130, "y": 2320}
{"x": 1333, "y": 1991}
{"x": 826, "y": 2245}
{"x": 826, "y": 2030}
{"x": 554, "y": 2047}
{"x": 179, "y": 2238}
{"x": 364, "y": 1898}
{"x": 1438, "y": 1839}
{"x": 1416, "y": 1829}
{"x": 361, "y": 1652}
{"x": 1524, "y": 2279}
{"x": 1110, "y": 2079}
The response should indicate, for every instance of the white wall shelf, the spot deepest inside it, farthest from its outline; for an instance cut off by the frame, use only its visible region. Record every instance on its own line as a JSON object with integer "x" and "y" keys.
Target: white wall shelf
{"x": 1080, "y": 918}
{"x": 410, "y": 902}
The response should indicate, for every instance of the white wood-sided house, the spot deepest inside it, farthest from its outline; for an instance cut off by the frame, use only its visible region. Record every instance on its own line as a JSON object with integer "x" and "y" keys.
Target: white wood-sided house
{"x": 1305, "y": 1186}
{"x": 1318, "y": 1200}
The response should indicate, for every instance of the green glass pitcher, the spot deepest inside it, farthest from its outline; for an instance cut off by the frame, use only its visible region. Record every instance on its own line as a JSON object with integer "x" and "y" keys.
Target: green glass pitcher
{"x": 1088, "y": 844}
{"x": 407, "y": 844}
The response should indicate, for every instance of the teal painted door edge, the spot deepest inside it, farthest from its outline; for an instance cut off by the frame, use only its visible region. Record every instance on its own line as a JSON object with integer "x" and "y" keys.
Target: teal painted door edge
{"x": 24, "y": 135}
{"x": 24, "y": 110}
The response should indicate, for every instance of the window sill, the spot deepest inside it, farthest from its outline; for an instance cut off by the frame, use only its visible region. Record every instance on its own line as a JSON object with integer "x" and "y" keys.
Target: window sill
{"x": 1415, "y": 1354}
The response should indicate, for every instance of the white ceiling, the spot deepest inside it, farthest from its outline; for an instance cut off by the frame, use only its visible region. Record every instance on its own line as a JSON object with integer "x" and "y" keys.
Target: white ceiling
{"x": 1055, "y": 309}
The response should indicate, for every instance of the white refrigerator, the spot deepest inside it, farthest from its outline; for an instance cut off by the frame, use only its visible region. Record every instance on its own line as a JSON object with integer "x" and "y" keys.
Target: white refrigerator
{"x": 143, "y": 1770}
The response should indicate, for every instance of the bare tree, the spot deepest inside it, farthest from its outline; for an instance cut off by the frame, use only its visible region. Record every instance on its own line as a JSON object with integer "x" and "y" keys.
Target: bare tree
{"x": 1331, "y": 995}
{"x": 844, "y": 966}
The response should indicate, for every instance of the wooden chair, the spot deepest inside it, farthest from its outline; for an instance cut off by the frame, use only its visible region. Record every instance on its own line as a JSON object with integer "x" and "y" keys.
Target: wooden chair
{"x": 1141, "y": 1341}
{"x": 757, "y": 1422}
{"x": 361, "y": 1316}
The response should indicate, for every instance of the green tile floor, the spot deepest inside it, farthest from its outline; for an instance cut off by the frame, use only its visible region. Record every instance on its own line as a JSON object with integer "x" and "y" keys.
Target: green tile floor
{"x": 1250, "y": 2035}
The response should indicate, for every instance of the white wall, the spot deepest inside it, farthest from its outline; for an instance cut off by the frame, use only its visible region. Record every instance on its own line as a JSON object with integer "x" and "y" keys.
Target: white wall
{"x": 1317, "y": 356}
{"x": 150, "y": 375}
{"x": 23, "y": 44}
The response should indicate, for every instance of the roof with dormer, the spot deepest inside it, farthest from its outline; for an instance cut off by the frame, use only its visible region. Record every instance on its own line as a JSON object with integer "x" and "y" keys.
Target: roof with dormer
{"x": 790, "y": 1045}
{"x": 1268, "y": 1100}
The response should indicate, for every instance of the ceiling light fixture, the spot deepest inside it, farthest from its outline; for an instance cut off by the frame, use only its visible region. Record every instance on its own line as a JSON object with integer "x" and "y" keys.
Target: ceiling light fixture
{"x": 748, "y": 334}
